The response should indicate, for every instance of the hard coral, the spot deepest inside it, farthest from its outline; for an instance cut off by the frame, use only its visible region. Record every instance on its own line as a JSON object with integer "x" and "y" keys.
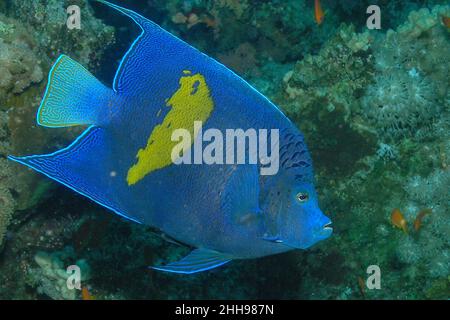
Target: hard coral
{"x": 7, "y": 202}
{"x": 19, "y": 65}
{"x": 334, "y": 76}
{"x": 46, "y": 20}
{"x": 326, "y": 89}
{"x": 7, "y": 205}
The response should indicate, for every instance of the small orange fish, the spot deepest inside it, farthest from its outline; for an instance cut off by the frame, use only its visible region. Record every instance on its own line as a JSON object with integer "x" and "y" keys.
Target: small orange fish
{"x": 418, "y": 221}
{"x": 318, "y": 12}
{"x": 399, "y": 220}
{"x": 86, "y": 295}
{"x": 443, "y": 157}
{"x": 446, "y": 21}
{"x": 362, "y": 287}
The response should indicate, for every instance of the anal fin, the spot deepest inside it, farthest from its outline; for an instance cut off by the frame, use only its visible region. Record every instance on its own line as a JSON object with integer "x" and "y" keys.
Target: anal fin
{"x": 197, "y": 261}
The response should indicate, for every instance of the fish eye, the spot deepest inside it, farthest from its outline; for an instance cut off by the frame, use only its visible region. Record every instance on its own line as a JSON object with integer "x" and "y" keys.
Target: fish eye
{"x": 302, "y": 197}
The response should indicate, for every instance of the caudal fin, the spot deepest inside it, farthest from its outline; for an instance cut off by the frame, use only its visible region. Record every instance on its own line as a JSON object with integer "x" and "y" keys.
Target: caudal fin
{"x": 84, "y": 167}
{"x": 73, "y": 96}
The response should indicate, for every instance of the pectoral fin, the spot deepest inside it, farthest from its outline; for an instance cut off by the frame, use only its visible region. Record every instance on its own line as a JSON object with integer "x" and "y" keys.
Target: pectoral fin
{"x": 197, "y": 261}
{"x": 240, "y": 201}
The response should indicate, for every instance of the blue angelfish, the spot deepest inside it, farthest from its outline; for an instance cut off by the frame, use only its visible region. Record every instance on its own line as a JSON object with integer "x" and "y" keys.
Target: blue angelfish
{"x": 123, "y": 162}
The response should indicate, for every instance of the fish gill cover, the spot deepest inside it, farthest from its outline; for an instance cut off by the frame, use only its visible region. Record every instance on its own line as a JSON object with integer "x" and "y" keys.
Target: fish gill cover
{"x": 373, "y": 106}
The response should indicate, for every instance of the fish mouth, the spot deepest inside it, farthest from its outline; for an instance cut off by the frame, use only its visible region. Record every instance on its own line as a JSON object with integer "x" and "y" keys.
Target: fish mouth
{"x": 328, "y": 227}
{"x": 326, "y": 231}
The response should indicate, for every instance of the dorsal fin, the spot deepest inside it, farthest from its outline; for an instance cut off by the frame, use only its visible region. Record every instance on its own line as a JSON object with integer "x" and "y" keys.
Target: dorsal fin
{"x": 153, "y": 48}
{"x": 157, "y": 59}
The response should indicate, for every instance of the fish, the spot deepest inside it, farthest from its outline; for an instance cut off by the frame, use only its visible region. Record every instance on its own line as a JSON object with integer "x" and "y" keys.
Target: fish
{"x": 122, "y": 160}
{"x": 86, "y": 295}
{"x": 446, "y": 21}
{"x": 318, "y": 12}
{"x": 362, "y": 287}
{"x": 399, "y": 220}
{"x": 418, "y": 221}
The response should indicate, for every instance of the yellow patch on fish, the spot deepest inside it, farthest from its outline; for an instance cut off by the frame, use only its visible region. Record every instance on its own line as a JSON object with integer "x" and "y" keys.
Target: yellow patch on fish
{"x": 191, "y": 102}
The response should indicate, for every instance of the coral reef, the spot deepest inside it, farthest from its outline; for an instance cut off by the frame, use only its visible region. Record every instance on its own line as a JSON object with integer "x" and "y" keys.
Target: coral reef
{"x": 32, "y": 35}
{"x": 19, "y": 65}
{"x": 279, "y": 30}
{"x": 326, "y": 87}
{"x": 374, "y": 107}
{"x": 401, "y": 103}
{"x": 432, "y": 244}
{"x": 6, "y": 200}
{"x": 399, "y": 94}
{"x": 7, "y": 203}
{"x": 48, "y": 18}
{"x": 407, "y": 95}
{"x": 241, "y": 60}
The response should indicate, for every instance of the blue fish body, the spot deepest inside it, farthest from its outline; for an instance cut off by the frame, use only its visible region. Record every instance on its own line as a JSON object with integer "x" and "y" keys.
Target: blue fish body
{"x": 226, "y": 211}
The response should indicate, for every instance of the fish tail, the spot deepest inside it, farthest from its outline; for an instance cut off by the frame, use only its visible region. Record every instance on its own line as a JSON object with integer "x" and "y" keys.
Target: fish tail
{"x": 73, "y": 96}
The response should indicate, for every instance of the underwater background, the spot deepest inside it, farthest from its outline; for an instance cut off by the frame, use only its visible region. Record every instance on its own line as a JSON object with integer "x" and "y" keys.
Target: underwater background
{"x": 374, "y": 106}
